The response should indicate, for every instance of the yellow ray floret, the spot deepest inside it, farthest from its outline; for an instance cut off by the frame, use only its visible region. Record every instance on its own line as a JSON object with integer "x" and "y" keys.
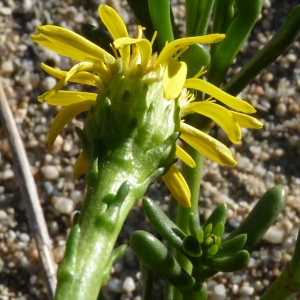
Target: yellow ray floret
{"x": 207, "y": 145}
{"x": 82, "y": 77}
{"x": 218, "y": 114}
{"x": 170, "y": 49}
{"x": 116, "y": 28}
{"x": 71, "y": 44}
{"x": 185, "y": 157}
{"x": 210, "y": 89}
{"x": 65, "y": 116}
{"x": 80, "y": 167}
{"x": 246, "y": 121}
{"x": 178, "y": 186}
{"x": 174, "y": 77}
{"x": 65, "y": 98}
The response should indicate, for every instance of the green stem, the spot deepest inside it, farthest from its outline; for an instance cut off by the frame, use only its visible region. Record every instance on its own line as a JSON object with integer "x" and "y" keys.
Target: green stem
{"x": 280, "y": 288}
{"x": 88, "y": 257}
{"x": 148, "y": 284}
{"x": 193, "y": 179}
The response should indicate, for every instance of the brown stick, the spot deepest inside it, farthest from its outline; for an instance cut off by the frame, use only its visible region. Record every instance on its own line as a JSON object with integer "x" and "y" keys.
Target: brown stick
{"x": 29, "y": 193}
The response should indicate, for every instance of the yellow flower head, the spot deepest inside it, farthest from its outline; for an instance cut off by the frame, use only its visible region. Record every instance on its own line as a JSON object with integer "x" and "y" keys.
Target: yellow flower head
{"x": 98, "y": 68}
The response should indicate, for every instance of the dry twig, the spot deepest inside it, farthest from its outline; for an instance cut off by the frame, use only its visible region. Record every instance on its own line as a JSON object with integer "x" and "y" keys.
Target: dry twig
{"x": 29, "y": 193}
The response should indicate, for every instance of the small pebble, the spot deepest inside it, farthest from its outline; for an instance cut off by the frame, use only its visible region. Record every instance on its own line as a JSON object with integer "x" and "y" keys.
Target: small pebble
{"x": 128, "y": 285}
{"x": 50, "y": 172}
{"x": 5, "y": 11}
{"x": 24, "y": 237}
{"x": 49, "y": 82}
{"x": 63, "y": 205}
{"x": 76, "y": 196}
{"x": 115, "y": 285}
{"x": 7, "y": 67}
{"x": 247, "y": 290}
{"x": 274, "y": 235}
{"x": 3, "y": 215}
{"x": 8, "y": 174}
{"x": 219, "y": 292}
{"x": 280, "y": 109}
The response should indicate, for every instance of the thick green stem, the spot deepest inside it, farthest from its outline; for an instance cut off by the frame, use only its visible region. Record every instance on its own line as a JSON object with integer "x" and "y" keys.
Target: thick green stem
{"x": 105, "y": 209}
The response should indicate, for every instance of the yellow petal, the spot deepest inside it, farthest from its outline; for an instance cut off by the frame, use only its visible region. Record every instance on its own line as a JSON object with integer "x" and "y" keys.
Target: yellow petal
{"x": 144, "y": 46}
{"x": 71, "y": 44}
{"x": 84, "y": 66}
{"x": 246, "y": 121}
{"x": 80, "y": 167}
{"x": 174, "y": 77}
{"x": 219, "y": 114}
{"x": 82, "y": 77}
{"x": 112, "y": 21}
{"x": 210, "y": 89}
{"x": 178, "y": 186}
{"x": 207, "y": 145}
{"x": 65, "y": 98}
{"x": 116, "y": 28}
{"x": 65, "y": 116}
{"x": 179, "y": 44}
{"x": 185, "y": 157}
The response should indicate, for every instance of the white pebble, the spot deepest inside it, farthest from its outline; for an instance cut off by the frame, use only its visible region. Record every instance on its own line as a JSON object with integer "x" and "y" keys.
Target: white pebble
{"x": 3, "y": 215}
{"x": 219, "y": 292}
{"x": 280, "y": 109}
{"x": 50, "y": 172}
{"x": 255, "y": 149}
{"x": 8, "y": 174}
{"x": 115, "y": 285}
{"x": 7, "y": 67}
{"x": 243, "y": 162}
{"x": 20, "y": 115}
{"x": 63, "y": 205}
{"x": 26, "y": 6}
{"x": 128, "y": 285}
{"x": 49, "y": 82}
{"x": 291, "y": 57}
{"x": 67, "y": 146}
{"x": 24, "y": 237}
{"x": 274, "y": 235}
{"x": 12, "y": 234}
{"x": 33, "y": 279}
{"x": 76, "y": 196}
{"x": 247, "y": 290}
{"x": 236, "y": 279}
{"x": 235, "y": 289}
{"x": 5, "y": 11}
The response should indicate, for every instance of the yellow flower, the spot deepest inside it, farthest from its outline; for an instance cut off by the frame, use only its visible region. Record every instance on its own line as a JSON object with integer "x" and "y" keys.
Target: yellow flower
{"x": 97, "y": 67}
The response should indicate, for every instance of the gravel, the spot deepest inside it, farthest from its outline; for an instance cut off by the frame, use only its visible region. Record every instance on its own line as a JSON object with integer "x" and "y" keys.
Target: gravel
{"x": 265, "y": 157}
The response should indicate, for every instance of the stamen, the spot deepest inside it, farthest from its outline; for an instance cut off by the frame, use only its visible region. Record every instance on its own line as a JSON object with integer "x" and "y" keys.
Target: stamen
{"x": 139, "y": 31}
{"x": 114, "y": 50}
{"x": 190, "y": 97}
{"x": 201, "y": 72}
{"x": 153, "y": 38}
{"x": 181, "y": 52}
